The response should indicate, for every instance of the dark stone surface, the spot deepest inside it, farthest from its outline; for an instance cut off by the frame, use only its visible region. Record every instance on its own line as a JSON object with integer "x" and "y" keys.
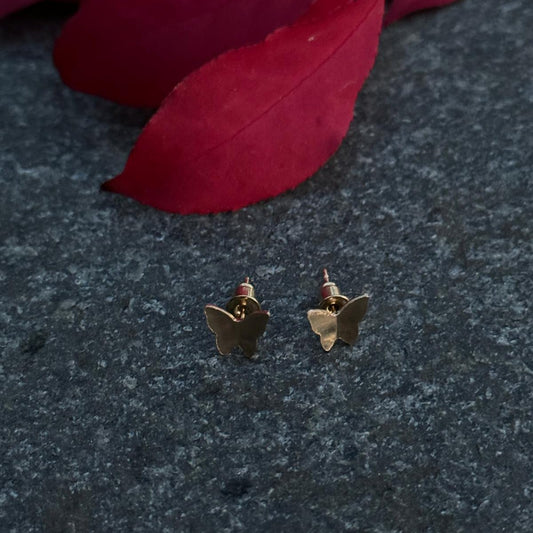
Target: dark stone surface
{"x": 118, "y": 415}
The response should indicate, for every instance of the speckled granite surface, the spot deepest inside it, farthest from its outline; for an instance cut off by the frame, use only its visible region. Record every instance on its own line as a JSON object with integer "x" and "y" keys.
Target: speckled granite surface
{"x": 117, "y": 414}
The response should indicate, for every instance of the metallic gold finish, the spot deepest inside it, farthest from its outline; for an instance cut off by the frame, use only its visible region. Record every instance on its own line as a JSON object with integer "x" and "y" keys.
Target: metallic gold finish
{"x": 243, "y": 302}
{"x": 241, "y": 324}
{"x": 338, "y": 317}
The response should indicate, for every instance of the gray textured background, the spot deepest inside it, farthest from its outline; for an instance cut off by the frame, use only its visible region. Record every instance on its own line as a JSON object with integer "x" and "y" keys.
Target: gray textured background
{"x": 116, "y": 412}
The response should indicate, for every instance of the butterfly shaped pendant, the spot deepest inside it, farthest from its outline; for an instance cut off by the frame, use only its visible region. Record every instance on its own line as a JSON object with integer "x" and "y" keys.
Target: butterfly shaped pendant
{"x": 232, "y": 332}
{"x": 342, "y": 324}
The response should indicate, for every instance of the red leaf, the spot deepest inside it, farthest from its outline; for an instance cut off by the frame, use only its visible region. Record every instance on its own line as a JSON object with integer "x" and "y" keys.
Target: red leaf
{"x": 259, "y": 120}
{"x": 135, "y": 51}
{"x": 401, "y": 8}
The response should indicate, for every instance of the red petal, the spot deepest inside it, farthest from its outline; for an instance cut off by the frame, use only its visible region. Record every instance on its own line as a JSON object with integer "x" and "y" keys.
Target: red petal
{"x": 401, "y": 8}
{"x": 135, "y": 51}
{"x": 259, "y": 120}
{"x": 8, "y": 6}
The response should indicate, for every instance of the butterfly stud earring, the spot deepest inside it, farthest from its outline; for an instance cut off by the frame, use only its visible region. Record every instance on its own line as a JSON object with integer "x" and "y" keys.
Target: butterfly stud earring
{"x": 338, "y": 317}
{"x": 241, "y": 324}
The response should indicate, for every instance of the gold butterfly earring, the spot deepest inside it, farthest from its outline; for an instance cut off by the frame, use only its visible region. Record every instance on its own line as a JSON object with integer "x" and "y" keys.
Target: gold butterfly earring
{"x": 241, "y": 324}
{"x": 338, "y": 317}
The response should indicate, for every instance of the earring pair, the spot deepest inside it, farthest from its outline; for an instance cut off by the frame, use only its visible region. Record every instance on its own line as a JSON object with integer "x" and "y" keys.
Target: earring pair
{"x": 243, "y": 321}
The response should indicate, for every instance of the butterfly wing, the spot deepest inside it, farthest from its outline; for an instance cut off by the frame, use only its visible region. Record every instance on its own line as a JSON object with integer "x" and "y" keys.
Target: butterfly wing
{"x": 349, "y": 317}
{"x": 249, "y": 329}
{"x": 324, "y": 323}
{"x": 224, "y": 326}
